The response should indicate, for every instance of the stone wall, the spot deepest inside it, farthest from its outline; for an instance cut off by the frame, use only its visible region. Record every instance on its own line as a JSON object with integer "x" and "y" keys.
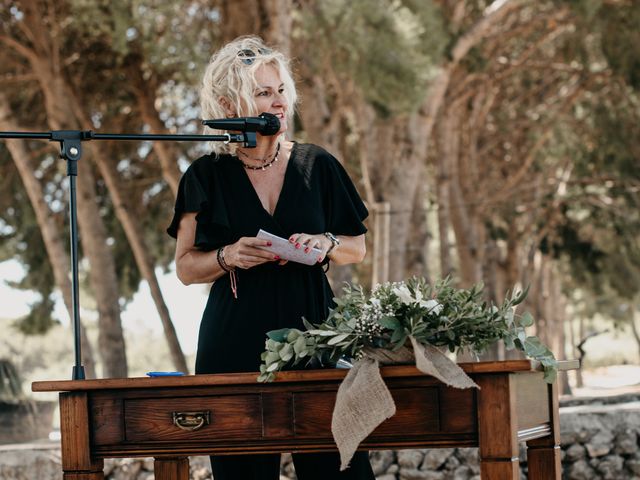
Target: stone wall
{"x": 599, "y": 442}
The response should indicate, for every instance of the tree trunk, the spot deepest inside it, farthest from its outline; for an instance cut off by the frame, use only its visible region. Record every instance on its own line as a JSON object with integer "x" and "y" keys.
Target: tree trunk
{"x": 634, "y": 330}
{"x": 144, "y": 260}
{"x": 270, "y": 19}
{"x": 145, "y": 94}
{"x": 51, "y": 236}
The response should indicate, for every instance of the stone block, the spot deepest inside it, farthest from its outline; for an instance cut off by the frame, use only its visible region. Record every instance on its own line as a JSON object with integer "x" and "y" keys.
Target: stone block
{"x": 410, "y": 459}
{"x": 611, "y": 467}
{"x": 626, "y": 442}
{"x": 414, "y": 474}
{"x": 386, "y": 476}
{"x": 381, "y": 460}
{"x": 581, "y": 470}
{"x": 452, "y": 463}
{"x": 462, "y": 473}
{"x": 633, "y": 465}
{"x": 468, "y": 456}
{"x": 435, "y": 458}
{"x": 600, "y": 444}
{"x": 575, "y": 452}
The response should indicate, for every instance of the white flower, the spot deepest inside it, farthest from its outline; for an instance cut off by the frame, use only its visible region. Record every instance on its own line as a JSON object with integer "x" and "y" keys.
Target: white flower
{"x": 433, "y": 306}
{"x": 404, "y": 294}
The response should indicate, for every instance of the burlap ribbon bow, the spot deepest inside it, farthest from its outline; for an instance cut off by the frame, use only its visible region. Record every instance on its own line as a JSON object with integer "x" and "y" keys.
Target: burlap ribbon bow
{"x": 363, "y": 401}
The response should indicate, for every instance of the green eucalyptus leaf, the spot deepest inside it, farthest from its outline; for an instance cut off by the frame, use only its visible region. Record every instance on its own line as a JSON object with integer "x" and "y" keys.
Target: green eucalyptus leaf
{"x": 307, "y": 324}
{"x": 526, "y": 320}
{"x": 300, "y": 345}
{"x": 550, "y": 375}
{"x": 391, "y": 323}
{"x": 272, "y": 357}
{"x": 273, "y": 367}
{"x": 278, "y": 335}
{"x": 286, "y": 352}
{"x": 323, "y": 333}
{"x": 337, "y": 339}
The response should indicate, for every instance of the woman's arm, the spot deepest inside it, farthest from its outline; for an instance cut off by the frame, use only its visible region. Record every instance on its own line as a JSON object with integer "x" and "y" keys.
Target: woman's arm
{"x": 350, "y": 250}
{"x": 196, "y": 266}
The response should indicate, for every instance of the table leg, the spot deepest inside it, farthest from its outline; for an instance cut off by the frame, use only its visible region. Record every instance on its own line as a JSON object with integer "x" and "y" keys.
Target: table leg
{"x": 77, "y": 461}
{"x": 543, "y": 454}
{"x": 497, "y": 428}
{"x": 174, "y": 468}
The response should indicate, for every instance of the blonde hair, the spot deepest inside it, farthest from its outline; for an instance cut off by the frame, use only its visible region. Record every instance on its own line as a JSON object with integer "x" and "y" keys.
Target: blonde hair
{"x": 230, "y": 75}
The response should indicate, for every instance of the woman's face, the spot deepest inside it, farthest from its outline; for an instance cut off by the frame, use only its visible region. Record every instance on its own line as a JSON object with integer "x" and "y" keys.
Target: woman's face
{"x": 269, "y": 95}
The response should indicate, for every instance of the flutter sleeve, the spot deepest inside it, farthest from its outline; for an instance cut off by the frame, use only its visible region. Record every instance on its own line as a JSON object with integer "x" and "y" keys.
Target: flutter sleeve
{"x": 344, "y": 208}
{"x": 199, "y": 193}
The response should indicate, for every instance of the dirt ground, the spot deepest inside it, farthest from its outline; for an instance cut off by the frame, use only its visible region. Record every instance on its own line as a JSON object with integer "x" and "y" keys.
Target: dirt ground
{"x": 606, "y": 381}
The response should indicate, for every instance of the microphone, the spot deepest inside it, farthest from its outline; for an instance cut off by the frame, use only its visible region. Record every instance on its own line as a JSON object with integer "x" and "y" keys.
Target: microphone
{"x": 266, "y": 124}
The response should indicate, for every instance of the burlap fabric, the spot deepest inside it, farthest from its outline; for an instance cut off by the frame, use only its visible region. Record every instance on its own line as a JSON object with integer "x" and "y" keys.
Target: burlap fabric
{"x": 363, "y": 401}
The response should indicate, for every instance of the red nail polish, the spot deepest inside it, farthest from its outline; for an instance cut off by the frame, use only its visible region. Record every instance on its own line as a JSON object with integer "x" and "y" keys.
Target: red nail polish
{"x": 297, "y": 245}
{"x": 276, "y": 257}
{"x": 268, "y": 244}
{"x": 306, "y": 250}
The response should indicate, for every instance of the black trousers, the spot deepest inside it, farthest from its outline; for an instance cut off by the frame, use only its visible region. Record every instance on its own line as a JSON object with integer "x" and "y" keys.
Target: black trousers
{"x": 309, "y": 466}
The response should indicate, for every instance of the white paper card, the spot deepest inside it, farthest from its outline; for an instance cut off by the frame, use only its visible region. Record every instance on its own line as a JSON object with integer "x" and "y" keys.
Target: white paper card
{"x": 287, "y": 251}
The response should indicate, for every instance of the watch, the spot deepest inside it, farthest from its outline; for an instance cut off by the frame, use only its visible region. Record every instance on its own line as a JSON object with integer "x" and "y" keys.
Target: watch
{"x": 335, "y": 241}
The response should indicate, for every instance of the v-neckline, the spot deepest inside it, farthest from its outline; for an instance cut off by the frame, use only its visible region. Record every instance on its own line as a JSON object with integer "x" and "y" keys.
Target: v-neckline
{"x": 282, "y": 188}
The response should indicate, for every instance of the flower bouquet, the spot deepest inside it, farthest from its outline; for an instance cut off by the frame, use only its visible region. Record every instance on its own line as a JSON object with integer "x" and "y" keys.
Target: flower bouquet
{"x": 400, "y": 322}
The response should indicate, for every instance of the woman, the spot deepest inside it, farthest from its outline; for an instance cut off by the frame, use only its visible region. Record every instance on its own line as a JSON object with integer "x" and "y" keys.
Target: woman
{"x": 295, "y": 191}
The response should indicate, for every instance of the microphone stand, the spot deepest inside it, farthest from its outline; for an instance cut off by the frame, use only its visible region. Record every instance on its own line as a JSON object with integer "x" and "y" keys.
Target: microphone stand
{"x": 71, "y": 150}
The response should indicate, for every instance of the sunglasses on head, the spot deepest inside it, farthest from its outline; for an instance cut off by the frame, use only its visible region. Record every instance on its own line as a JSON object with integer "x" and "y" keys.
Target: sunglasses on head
{"x": 248, "y": 56}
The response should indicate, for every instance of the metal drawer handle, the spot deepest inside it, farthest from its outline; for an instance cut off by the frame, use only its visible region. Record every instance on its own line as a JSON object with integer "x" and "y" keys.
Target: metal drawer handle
{"x": 191, "y": 421}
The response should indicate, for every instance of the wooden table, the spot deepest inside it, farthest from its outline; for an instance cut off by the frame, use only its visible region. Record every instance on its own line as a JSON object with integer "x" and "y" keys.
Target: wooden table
{"x": 172, "y": 418}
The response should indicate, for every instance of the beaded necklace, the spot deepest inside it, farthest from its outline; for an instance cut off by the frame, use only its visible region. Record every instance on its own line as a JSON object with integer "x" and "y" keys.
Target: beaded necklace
{"x": 265, "y": 165}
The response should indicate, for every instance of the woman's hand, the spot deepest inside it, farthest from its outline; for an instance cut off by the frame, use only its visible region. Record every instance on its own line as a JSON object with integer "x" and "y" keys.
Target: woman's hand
{"x": 246, "y": 254}
{"x": 307, "y": 242}
{"x": 350, "y": 250}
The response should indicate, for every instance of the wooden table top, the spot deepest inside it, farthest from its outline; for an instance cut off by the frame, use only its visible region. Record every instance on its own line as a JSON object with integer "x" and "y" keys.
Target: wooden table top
{"x": 288, "y": 376}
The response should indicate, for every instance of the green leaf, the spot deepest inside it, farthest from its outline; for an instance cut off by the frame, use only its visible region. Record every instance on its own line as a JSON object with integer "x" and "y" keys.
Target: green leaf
{"x": 550, "y": 375}
{"x": 286, "y": 352}
{"x": 526, "y": 320}
{"x": 293, "y": 335}
{"x": 391, "y": 323}
{"x": 508, "y": 342}
{"x": 337, "y": 339}
{"x": 273, "y": 367}
{"x": 323, "y": 333}
{"x": 300, "y": 345}
{"x": 307, "y": 324}
{"x": 278, "y": 335}
{"x": 272, "y": 357}
{"x": 519, "y": 298}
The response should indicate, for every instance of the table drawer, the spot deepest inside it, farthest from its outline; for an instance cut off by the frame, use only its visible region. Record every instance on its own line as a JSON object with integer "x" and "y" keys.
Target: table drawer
{"x": 417, "y": 413}
{"x": 230, "y": 417}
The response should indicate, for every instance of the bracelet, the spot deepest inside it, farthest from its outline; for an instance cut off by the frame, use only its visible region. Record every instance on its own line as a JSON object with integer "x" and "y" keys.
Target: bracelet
{"x": 230, "y": 270}
{"x": 221, "y": 262}
{"x": 335, "y": 241}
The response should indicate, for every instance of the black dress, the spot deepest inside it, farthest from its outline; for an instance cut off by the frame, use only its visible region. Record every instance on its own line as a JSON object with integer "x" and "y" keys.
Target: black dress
{"x": 317, "y": 196}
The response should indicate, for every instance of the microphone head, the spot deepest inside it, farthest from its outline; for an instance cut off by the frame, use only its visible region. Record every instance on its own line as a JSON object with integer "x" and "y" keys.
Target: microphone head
{"x": 272, "y": 125}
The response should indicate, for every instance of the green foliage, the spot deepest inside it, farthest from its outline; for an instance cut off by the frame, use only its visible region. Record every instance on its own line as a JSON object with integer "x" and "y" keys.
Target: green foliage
{"x": 388, "y": 48}
{"x": 438, "y": 315}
